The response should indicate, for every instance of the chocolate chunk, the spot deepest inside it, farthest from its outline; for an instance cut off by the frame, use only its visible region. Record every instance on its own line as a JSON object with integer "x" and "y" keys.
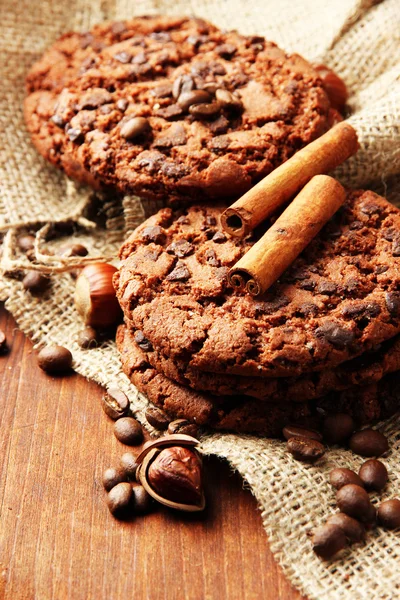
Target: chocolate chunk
{"x": 143, "y": 342}
{"x": 174, "y": 170}
{"x": 169, "y": 112}
{"x": 180, "y": 273}
{"x": 219, "y": 237}
{"x": 225, "y": 50}
{"x": 335, "y": 334}
{"x": 392, "y": 300}
{"x": 220, "y": 125}
{"x": 326, "y": 288}
{"x": 161, "y": 36}
{"x": 307, "y": 284}
{"x": 211, "y": 258}
{"x": 139, "y": 59}
{"x": 182, "y": 84}
{"x": 180, "y": 248}
{"x": 228, "y": 100}
{"x": 396, "y": 246}
{"x": 370, "y": 208}
{"x": 162, "y": 91}
{"x": 57, "y": 120}
{"x": 122, "y": 104}
{"x": 75, "y": 135}
{"x": 95, "y": 98}
{"x": 155, "y": 234}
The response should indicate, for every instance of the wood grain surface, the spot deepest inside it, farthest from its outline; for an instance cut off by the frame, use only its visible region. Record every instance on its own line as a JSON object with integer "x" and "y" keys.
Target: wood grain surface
{"x": 57, "y": 538}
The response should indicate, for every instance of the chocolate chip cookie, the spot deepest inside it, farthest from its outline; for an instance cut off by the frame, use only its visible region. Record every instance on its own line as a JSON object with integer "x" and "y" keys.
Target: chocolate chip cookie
{"x": 243, "y": 414}
{"x": 175, "y": 109}
{"x": 368, "y": 368}
{"x": 70, "y": 57}
{"x": 337, "y": 301}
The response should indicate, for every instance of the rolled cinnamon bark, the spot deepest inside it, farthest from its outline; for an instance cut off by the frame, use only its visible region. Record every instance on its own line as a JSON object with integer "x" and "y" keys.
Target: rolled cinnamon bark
{"x": 261, "y": 266}
{"x": 320, "y": 156}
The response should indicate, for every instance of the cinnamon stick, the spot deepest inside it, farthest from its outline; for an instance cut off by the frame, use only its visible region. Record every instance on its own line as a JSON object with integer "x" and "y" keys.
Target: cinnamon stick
{"x": 320, "y": 156}
{"x": 261, "y": 266}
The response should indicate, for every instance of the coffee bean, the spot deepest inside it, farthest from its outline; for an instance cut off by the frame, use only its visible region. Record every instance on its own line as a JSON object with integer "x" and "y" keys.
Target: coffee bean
{"x": 374, "y": 475}
{"x": 338, "y": 428}
{"x": 228, "y": 100}
{"x": 328, "y": 540}
{"x": 354, "y": 501}
{"x": 290, "y": 431}
{"x": 352, "y": 529}
{"x": 55, "y": 359}
{"x": 122, "y": 104}
{"x": 35, "y": 283}
{"x": 129, "y": 465}
{"x": 26, "y": 242}
{"x": 88, "y": 338}
{"x": 368, "y": 442}
{"x": 205, "y": 110}
{"x": 186, "y": 99}
{"x": 119, "y": 500}
{"x": 389, "y": 514}
{"x": 135, "y": 127}
{"x": 115, "y": 403}
{"x": 128, "y": 431}
{"x": 111, "y": 478}
{"x": 340, "y": 477}
{"x": 73, "y": 250}
{"x": 157, "y": 418}
{"x": 183, "y": 84}
{"x": 305, "y": 450}
{"x": 183, "y": 426}
{"x": 142, "y": 500}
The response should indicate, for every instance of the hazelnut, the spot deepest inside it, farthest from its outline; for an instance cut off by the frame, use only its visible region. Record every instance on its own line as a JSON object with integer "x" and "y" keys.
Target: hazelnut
{"x": 175, "y": 474}
{"x": 95, "y": 298}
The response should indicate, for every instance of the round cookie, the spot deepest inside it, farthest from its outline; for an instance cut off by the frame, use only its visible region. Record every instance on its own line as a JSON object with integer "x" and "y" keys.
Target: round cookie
{"x": 338, "y": 300}
{"x": 70, "y": 57}
{"x": 368, "y": 368}
{"x": 218, "y": 111}
{"x": 246, "y": 415}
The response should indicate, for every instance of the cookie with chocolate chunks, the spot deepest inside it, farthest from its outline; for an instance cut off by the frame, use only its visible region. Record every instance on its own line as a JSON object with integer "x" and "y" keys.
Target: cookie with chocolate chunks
{"x": 238, "y": 413}
{"x": 202, "y": 324}
{"x": 218, "y": 110}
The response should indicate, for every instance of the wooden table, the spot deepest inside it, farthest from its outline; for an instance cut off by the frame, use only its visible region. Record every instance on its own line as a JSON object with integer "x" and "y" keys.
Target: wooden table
{"x": 57, "y": 538}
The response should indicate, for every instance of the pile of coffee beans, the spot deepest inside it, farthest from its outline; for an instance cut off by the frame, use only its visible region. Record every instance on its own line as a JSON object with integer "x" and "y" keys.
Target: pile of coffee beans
{"x": 305, "y": 443}
{"x": 357, "y": 513}
{"x": 125, "y": 497}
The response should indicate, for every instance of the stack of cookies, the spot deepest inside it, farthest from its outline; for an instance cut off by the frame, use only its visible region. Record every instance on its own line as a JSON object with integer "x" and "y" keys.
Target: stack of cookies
{"x": 175, "y": 110}
{"x": 324, "y": 338}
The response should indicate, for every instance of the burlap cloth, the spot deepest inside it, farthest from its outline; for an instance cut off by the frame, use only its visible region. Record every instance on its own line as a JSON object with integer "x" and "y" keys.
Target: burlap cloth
{"x": 359, "y": 39}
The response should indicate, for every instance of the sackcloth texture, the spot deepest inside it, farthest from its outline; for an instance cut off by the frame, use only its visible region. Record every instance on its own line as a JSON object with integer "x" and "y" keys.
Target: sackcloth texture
{"x": 360, "y": 39}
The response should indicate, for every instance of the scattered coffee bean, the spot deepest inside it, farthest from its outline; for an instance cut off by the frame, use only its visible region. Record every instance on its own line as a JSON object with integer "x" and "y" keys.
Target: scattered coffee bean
{"x": 204, "y": 110}
{"x": 129, "y": 465}
{"x": 157, "y": 418}
{"x": 115, "y": 403}
{"x": 26, "y": 242}
{"x": 88, "y": 338}
{"x": 328, "y": 540}
{"x": 389, "y": 514}
{"x": 119, "y": 499}
{"x": 340, "y": 477}
{"x": 338, "y": 428}
{"x": 354, "y": 501}
{"x": 228, "y": 100}
{"x": 305, "y": 450}
{"x": 368, "y": 442}
{"x": 352, "y": 529}
{"x": 290, "y": 431}
{"x": 141, "y": 499}
{"x": 128, "y": 431}
{"x": 111, "y": 478}
{"x": 35, "y": 283}
{"x": 183, "y": 426}
{"x": 186, "y": 99}
{"x": 134, "y": 128}
{"x": 3, "y": 342}
{"x": 73, "y": 250}
{"x": 374, "y": 475}
{"x": 55, "y": 359}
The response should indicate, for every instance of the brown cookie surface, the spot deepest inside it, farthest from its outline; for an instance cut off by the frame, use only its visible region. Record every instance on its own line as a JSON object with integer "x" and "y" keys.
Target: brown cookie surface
{"x": 218, "y": 110}
{"x": 337, "y": 301}
{"x": 246, "y": 415}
